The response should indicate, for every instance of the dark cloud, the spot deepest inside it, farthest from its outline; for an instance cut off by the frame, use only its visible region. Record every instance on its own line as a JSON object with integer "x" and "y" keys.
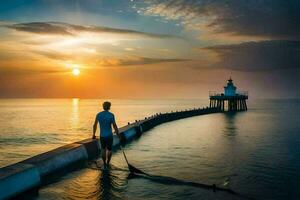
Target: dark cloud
{"x": 58, "y": 28}
{"x": 264, "y": 55}
{"x": 277, "y": 19}
{"x": 41, "y": 28}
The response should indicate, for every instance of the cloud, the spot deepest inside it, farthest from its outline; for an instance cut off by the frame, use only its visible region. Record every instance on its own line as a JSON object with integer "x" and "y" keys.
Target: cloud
{"x": 136, "y": 61}
{"x": 54, "y": 55}
{"x": 14, "y": 70}
{"x": 59, "y": 28}
{"x": 96, "y": 61}
{"x": 276, "y": 19}
{"x": 255, "y": 56}
{"x": 41, "y": 28}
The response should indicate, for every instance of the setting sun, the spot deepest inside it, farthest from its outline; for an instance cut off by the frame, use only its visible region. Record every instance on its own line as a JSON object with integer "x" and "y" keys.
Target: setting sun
{"x": 76, "y": 72}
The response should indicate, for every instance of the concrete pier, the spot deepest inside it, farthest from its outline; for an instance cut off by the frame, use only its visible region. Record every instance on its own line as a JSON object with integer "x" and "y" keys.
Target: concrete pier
{"x": 18, "y": 178}
{"x": 32, "y": 172}
{"x": 56, "y": 159}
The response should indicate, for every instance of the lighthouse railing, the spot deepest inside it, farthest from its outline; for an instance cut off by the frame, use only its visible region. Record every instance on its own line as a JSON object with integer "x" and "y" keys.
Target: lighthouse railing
{"x": 215, "y": 93}
{"x": 242, "y": 93}
{"x": 218, "y": 93}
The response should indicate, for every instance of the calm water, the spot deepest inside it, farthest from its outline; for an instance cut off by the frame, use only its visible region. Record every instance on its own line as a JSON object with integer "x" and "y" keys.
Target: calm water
{"x": 32, "y": 126}
{"x": 255, "y": 153}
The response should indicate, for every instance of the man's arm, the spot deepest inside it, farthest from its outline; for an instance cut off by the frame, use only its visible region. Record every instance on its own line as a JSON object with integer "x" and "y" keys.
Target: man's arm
{"x": 116, "y": 129}
{"x": 95, "y": 128}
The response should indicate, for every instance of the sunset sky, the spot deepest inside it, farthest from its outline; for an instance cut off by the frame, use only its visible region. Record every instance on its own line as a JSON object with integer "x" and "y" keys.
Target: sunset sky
{"x": 149, "y": 48}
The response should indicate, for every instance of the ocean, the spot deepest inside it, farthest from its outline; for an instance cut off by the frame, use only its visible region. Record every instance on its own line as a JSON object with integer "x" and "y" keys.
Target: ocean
{"x": 254, "y": 153}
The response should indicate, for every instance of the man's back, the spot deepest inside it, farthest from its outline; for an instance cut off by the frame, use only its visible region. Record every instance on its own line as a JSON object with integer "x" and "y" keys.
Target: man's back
{"x": 105, "y": 119}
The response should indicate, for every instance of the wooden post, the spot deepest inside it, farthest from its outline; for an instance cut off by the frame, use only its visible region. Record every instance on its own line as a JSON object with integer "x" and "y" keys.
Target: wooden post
{"x": 223, "y": 107}
{"x": 234, "y": 105}
{"x": 242, "y": 107}
{"x": 245, "y": 105}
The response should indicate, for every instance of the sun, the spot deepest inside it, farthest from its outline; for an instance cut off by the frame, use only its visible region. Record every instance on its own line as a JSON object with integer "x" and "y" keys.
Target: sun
{"x": 76, "y": 72}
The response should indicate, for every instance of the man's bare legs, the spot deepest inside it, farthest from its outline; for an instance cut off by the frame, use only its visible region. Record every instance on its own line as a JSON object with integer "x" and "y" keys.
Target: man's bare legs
{"x": 108, "y": 156}
{"x": 104, "y": 156}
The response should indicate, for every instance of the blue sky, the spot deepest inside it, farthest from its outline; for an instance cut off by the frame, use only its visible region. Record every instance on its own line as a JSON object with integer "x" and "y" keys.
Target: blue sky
{"x": 113, "y": 13}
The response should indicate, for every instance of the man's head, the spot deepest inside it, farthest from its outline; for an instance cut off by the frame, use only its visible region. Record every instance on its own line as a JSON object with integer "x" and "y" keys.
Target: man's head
{"x": 106, "y": 105}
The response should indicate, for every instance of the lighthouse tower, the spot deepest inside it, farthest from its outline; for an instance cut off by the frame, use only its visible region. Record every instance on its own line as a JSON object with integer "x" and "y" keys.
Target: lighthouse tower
{"x": 230, "y": 89}
{"x": 230, "y": 100}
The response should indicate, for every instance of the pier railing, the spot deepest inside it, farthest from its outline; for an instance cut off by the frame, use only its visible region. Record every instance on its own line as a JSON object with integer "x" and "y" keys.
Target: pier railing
{"x": 218, "y": 93}
{"x": 242, "y": 93}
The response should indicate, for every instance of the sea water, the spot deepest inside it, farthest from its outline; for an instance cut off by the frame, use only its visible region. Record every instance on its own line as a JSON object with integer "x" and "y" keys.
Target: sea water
{"x": 255, "y": 153}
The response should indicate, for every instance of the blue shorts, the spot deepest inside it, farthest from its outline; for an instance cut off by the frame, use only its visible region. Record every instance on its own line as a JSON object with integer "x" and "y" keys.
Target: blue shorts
{"x": 106, "y": 142}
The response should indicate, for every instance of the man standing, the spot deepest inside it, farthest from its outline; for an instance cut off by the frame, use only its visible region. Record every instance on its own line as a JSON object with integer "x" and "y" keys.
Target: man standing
{"x": 106, "y": 120}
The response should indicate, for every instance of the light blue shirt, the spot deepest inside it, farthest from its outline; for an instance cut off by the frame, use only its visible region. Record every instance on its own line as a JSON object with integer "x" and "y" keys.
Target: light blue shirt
{"x": 105, "y": 119}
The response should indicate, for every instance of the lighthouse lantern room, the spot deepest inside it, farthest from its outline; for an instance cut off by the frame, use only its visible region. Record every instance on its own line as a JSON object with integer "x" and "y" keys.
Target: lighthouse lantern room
{"x": 230, "y": 89}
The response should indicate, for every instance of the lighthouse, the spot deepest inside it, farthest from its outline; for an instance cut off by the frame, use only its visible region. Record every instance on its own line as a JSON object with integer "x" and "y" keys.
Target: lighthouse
{"x": 230, "y": 89}
{"x": 230, "y": 100}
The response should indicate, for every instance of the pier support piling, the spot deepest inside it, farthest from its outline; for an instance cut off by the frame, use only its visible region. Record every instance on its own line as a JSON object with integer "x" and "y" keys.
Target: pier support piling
{"x": 231, "y": 104}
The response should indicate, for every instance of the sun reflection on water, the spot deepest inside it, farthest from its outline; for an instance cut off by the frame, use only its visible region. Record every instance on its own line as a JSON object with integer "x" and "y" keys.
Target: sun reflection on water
{"x": 75, "y": 113}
